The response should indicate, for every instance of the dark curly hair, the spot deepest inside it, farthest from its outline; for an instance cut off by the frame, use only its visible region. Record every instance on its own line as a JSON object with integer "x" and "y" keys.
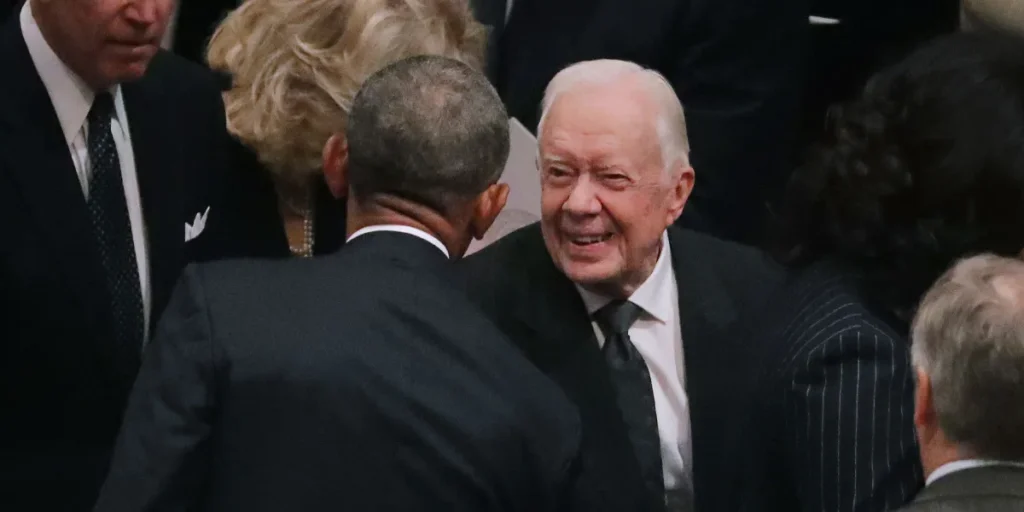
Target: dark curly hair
{"x": 925, "y": 167}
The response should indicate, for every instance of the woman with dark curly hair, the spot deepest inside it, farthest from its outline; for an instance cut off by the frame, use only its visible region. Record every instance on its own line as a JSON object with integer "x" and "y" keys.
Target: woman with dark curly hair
{"x": 926, "y": 167}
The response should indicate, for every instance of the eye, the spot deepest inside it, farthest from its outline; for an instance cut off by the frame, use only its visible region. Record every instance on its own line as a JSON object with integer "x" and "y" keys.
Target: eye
{"x": 615, "y": 178}
{"x": 557, "y": 173}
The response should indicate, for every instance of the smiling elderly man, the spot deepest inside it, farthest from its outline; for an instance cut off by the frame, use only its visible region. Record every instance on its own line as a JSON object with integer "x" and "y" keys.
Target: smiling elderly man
{"x": 629, "y": 315}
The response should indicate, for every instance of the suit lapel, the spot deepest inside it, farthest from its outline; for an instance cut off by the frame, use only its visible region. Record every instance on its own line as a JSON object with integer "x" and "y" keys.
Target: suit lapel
{"x": 159, "y": 188}
{"x": 562, "y": 343}
{"x": 41, "y": 166}
{"x": 705, "y": 314}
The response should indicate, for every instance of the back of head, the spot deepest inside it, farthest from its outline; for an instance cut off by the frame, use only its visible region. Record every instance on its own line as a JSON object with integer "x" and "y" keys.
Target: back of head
{"x": 926, "y": 166}
{"x": 427, "y": 129}
{"x": 968, "y": 338}
{"x": 996, "y": 16}
{"x": 296, "y": 65}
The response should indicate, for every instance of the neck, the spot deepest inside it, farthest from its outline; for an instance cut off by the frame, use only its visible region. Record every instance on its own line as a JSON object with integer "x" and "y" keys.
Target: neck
{"x": 940, "y": 453}
{"x": 385, "y": 209}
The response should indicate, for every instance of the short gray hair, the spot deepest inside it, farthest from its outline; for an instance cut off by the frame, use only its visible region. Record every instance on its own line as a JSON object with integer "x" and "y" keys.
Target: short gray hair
{"x": 671, "y": 122}
{"x": 968, "y": 337}
{"x": 428, "y": 129}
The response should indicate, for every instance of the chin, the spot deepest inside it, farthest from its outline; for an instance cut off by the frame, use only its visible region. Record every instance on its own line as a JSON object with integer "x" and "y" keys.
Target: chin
{"x": 596, "y": 274}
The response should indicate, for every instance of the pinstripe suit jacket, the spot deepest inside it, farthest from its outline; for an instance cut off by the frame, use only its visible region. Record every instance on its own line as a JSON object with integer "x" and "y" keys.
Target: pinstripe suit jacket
{"x": 539, "y": 309}
{"x": 830, "y": 425}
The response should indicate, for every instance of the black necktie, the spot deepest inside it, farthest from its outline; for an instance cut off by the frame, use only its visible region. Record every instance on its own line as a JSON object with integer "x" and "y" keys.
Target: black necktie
{"x": 632, "y": 381}
{"x": 112, "y": 229}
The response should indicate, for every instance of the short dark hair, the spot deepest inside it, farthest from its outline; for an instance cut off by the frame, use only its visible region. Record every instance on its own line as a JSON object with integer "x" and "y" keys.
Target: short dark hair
{"x": 925, "y": 167}
{"x": 428, "y": 129}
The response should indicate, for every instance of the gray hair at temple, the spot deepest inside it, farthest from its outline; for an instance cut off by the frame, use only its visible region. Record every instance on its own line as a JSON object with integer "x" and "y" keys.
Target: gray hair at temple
{"x": 968, "y": 338}
{"x": 671, "y": 122}
{"x": 428, "y": 129}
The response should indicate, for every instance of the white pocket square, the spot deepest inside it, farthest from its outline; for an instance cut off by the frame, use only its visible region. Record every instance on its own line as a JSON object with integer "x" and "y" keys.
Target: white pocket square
{"x": 197, "y": 226}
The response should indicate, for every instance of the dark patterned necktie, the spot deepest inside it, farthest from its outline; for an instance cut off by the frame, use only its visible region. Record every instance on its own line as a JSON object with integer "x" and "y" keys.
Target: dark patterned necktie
{"x": 113, "y": 233}
{"x": 632, "y": 381}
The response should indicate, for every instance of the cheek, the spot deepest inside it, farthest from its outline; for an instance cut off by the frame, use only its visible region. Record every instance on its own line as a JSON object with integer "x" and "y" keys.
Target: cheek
{"x": 551, "y": 201}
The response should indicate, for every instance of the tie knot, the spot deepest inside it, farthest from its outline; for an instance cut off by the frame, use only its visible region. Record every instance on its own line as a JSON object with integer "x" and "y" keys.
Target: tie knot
{"x": 617, "y": 317}
{"x": 102, "y": 107}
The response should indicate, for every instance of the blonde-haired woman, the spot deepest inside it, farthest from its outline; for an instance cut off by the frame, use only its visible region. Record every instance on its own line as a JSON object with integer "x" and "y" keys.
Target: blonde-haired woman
{"x": 295, "y": 66}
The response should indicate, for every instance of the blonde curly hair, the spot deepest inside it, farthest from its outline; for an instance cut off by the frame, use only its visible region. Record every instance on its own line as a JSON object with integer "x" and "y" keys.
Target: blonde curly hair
{"x": 296, "y": 65}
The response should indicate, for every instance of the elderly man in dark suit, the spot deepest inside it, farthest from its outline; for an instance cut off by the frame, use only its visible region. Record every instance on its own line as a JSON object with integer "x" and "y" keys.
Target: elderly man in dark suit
{"x": 737, "y": 65}
{"x": 625, "y": 312}
{"x": 968, "y": 353}
{"x": 111, "y": 178}
{"x": 365, "y": 380}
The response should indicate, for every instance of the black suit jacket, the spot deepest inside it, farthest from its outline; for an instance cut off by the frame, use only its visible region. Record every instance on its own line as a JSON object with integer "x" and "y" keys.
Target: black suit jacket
{"x": 517, "y": 283}
{"x": 737, "y": 66}
{"x": 61, "y": 388}
{"x": 827, "y": 425}
{"x": 362, "y": 381}
{"x": 985, "y": 489}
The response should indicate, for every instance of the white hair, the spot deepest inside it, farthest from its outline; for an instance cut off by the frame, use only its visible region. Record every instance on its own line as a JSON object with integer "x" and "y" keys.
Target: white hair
{"x": 671, "y": 122}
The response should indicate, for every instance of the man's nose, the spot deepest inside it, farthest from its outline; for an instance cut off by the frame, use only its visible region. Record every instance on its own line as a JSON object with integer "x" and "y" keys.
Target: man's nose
{"x": 583, "y": 198}
{"x": 147, "y": 12}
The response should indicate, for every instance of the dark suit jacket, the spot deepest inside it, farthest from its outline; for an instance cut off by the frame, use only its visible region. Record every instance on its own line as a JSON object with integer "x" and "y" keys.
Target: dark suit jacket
{"x": 828, "y": 421}
{"x": 517, "y": 283}
{"x": 737, "y": 66}
{"x": 360, "y": 381}
{"x": 986, "y": 489}
{"x": 62, "y": 389}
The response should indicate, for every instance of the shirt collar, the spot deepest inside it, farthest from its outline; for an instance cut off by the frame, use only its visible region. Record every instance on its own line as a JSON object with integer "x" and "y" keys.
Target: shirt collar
{"x": 71, "y": 97}
{"x": 397, "y": 228}
{"x": 961, "y": 465}
{"x": 653, "y": 296}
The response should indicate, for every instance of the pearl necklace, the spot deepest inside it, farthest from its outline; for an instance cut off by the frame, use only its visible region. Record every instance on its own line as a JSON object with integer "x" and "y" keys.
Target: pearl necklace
{"x": 305, "y": 248}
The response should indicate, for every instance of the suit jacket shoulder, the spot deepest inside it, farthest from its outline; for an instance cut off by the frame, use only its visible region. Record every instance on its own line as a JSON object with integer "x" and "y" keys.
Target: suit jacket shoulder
{"x": 985, "y": 489}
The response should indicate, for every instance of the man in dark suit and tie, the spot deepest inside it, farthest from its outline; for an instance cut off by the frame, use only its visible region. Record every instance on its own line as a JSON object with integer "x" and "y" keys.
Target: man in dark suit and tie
{"x": 626, "y": 313}
{"x": 737, "y": 65}
{"x": 365, "y": 380}
{"x": 968, "y": 353}
{"x": 111, "y": 166}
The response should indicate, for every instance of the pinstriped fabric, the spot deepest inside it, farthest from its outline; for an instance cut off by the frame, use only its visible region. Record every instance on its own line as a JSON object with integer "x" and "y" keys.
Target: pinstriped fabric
{"x": 842, "y": 385}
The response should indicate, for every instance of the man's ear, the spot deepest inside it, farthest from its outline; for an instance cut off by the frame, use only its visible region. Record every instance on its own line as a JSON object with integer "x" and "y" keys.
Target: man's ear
{"x": 488, "y": 205}
{"x": 924, "y": 402}
{"x": 335, "y": 165}
{"x": 683, "y": 179}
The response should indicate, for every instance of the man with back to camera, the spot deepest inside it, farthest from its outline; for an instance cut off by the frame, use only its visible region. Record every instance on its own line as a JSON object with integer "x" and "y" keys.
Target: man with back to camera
{"x": 364, "y": 380}
{"x": 968, "y": 351}
{"x": 111, "y": 178}
{"x": 629, "y": 315}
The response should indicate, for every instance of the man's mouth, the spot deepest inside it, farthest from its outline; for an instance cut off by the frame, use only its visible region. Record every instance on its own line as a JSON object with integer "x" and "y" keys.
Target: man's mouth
{"x": 585, "y": 240}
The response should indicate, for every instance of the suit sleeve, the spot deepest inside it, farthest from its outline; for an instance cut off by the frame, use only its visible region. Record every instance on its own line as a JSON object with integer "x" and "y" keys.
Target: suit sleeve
{"x": 160, "y": 461}
{"x": 739, "y": 72}
{"x": 852, "y": 444}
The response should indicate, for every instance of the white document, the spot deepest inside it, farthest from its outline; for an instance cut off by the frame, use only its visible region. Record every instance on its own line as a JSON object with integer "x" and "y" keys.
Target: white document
{"x": 523, "y": 180}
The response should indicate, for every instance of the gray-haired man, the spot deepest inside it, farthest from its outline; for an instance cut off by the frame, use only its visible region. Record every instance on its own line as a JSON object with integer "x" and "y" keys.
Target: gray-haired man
{"x": 969, "y": 353}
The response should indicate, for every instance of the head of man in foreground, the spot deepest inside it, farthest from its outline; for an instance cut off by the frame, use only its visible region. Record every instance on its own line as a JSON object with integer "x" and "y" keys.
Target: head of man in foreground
{"x": 614, "y": 172}
{"x": 427, "y": 140}
{"x": 968, "y": 350}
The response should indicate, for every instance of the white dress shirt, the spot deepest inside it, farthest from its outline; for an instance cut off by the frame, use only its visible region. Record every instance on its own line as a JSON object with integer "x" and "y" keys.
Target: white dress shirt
{"x": 398, "y": 228}
{"x": 658, "y": 337}
{"x": 960, "y": 465}
{"x": 72, "y": 99}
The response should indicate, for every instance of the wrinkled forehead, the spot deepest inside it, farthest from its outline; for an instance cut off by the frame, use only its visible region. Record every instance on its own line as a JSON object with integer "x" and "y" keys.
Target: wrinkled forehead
{"x": 600, "y": 123}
